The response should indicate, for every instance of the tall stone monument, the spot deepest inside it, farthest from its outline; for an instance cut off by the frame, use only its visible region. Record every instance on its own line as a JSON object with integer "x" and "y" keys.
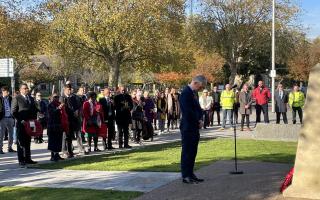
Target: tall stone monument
{"x": 306, "y": 178}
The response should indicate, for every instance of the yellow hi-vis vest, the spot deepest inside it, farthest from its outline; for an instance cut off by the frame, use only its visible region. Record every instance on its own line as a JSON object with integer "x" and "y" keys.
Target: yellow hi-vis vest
{"x": 296, "y": 99}
{"x": 227, "y": 99}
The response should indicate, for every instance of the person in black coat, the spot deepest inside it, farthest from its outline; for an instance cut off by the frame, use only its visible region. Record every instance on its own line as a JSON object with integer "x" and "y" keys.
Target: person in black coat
{"x": 6, "y": 119}
{"x": 191, "y": 122}
{"x": 281, "y": 100}
{"x": 55, "y": 131}
{"x": 123, "y": 105}
{"x": 73, "y": 110}
{"x": 23, "y": 109}
{"x": 215, "y": 105}
{"x": 42, "y": 115}
{"x": 109, "y": 116}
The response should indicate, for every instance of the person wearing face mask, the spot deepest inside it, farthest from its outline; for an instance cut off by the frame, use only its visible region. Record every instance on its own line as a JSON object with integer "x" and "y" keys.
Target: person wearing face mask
{"x": 123, "y": 106}
{"x": 23, "y": 109}
{"x": 191, "y": 122}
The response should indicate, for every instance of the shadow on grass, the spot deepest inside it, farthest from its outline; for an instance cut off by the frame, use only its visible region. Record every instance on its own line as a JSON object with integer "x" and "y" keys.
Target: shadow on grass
{"x": 139, "y": 159}
{"x": 29, "y": 193}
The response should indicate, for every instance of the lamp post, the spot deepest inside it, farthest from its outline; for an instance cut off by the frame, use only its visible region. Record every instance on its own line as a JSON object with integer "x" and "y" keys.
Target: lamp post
{"x": 273, "y": 71}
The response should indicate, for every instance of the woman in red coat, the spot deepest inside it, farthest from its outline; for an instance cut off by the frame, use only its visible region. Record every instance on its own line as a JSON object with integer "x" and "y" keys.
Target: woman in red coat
{"x": 92, "y": 120}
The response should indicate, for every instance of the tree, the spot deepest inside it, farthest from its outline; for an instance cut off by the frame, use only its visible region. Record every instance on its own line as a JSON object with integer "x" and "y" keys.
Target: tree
{"x": 239, "y": 27}
{"x": 116, "y": 32}
{"x": 210, "y": 65}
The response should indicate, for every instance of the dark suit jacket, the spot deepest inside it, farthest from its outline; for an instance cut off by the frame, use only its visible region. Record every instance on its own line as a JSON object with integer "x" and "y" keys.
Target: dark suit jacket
{"x": 190, "y": 109}
{"x": 123, "y": 105}
{"x": 2, "y": 107}
{"x": 21, "y": 110}
{"x": 72, "y": 104}
{"x": 108, "y": 110}
{"x": 281, "y": 103}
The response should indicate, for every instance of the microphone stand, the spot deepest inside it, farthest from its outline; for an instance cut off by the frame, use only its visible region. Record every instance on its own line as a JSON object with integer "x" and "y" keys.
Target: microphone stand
{"x": 235, "y": 148}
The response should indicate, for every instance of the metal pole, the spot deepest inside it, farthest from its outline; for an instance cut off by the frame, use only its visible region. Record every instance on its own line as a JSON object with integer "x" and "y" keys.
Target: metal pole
{"x": 273, "y": 55}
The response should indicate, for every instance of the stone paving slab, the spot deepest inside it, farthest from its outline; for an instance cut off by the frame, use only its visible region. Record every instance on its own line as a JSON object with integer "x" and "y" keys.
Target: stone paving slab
{"x": 123, "y": 181}
{"x": 260, "y": 181}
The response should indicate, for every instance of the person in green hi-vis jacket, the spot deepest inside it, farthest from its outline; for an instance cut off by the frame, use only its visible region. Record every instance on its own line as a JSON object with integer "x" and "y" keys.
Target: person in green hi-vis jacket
{"x": 296, "y": 102}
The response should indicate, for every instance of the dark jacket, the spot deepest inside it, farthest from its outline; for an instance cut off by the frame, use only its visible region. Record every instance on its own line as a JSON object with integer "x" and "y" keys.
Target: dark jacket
{"x": 281, "y": 103}
{"x": 108, "y": 109}
{"x": 72, "y": 105}
{"x": 22, "y": 110}
{"x": 54, "y": 128}
{"x": 2, "y": 106}
{"x": 123, "y": 105}
{"x": 190, "y": 109}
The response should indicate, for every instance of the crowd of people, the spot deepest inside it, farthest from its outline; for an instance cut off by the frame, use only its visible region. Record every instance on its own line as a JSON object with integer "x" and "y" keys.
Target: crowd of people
{"x": 113, "y": 114}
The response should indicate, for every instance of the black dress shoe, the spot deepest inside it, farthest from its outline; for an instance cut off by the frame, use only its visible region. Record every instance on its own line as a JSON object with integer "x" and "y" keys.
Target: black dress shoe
{"x": 188, "y": 180}
{"x": 197, "y": 179}
{"x": 127, "y": 147}
{"x": 1, "y": 152}
{"x": 11, "y": 150}
{"x": 97, "y": 150}
{"x": 31, "y": 162}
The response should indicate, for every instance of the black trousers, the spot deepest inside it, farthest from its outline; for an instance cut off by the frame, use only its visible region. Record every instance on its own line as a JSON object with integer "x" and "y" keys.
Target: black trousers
{"x": 95, "y": 142}
{"x": 206, "y": 118}
{"x": 217, "y": 110}
{"x": 190, "y": 141}
{"x": 23, "y": 144}
{"x": 264, "y": 109}
{"x": 245, "y": 117}
{"x": 284, "y": 117}
{"x": 69, "y": 138}
{"x": 111, "y": 135}
{"x": 294, "y": 114}
{"x": 123, "y": 135}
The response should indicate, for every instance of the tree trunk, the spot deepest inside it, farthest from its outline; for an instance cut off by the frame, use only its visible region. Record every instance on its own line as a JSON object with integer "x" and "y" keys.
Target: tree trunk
{"x": 233, "y": 70}
{"x": 114, "y": 74}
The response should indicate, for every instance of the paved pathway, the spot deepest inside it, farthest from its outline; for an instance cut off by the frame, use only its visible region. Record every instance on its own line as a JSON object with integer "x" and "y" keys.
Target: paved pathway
{"x": 12, "y": 175}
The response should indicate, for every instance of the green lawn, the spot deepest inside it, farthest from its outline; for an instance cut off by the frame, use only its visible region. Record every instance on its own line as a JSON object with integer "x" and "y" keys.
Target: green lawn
{"x": 30, "y": 193}
{"x": 166, "y": 157}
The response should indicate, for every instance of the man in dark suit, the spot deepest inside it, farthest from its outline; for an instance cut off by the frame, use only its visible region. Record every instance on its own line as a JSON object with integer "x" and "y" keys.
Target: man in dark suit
{"x": 281, "y": 100}
{"x": 191, "y": 122}
{"x": 109, "y": 116}
{"x": 73, "y": 110}
{"x": 23, "y": 109}
{"x": 6, "y": 119}
{"x": 123, "y": 105}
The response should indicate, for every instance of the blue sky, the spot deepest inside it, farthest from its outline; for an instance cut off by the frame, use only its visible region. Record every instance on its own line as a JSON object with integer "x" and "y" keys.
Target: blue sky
{"x": 311, "y": 17}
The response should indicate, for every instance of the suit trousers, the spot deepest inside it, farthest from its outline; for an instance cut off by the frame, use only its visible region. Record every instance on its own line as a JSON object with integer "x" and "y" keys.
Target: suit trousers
{"x": 284, "y": 117}
{"x": 123, "y": 130}
{"x": 6, "y": 124}
{"x": 264, "y": 109}
{"x": 190, "y": 141}
{"x": 294, "y": 113}
{"x": 23, "y": 144}
{"x": 247, "y": 117}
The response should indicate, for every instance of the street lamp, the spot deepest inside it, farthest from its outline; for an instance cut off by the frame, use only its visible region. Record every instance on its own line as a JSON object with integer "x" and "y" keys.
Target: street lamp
{"x": 273, "y": 71}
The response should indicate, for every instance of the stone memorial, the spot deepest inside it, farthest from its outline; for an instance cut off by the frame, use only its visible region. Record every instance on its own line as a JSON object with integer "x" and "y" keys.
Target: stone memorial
{"x": 306, "y": 178}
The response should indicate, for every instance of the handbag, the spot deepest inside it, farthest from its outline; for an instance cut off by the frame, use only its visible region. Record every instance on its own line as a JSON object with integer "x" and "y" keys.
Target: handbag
{"x": 33, "y": 128}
